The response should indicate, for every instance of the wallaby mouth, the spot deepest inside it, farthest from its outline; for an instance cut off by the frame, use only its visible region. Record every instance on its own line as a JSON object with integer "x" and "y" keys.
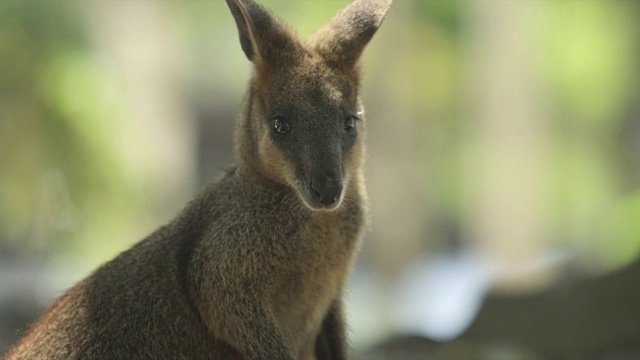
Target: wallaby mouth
{"x": 324, "y": 193}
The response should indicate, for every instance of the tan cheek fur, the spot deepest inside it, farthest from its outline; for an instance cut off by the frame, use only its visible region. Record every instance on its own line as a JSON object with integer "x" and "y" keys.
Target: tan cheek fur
{"x": 274, "y": 161}
{"x": 355, "y": 160}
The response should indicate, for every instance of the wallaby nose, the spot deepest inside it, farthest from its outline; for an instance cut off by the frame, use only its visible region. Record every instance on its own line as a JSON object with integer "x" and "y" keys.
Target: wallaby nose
{"x": 326, "y": 190}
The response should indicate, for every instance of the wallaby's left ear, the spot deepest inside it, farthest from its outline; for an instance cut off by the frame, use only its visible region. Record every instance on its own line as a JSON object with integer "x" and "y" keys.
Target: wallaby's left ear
{"x": 342, "y": 40}
{"x": 264, "y": 39}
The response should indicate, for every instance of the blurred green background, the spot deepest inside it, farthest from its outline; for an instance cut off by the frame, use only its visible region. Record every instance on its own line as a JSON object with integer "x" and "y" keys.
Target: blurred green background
{"x": 509, "y": 130}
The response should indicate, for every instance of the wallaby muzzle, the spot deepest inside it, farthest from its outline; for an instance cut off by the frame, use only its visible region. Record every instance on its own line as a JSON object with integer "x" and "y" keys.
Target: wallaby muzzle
{"x": 323, "y": 170}
{"x": 327, "y": 191}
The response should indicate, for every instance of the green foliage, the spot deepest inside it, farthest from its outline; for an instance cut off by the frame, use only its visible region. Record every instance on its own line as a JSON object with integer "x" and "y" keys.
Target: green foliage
{"x": 60, "y": 179}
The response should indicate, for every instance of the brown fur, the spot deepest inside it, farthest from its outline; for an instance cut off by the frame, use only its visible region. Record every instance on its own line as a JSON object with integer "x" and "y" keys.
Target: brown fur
{"x": 255, "y": 266}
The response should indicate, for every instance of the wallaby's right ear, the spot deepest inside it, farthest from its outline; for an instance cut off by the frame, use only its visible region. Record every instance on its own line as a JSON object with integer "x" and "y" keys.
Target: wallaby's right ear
{"x": 264, "y": 39}
{"x": 342, "y": 40}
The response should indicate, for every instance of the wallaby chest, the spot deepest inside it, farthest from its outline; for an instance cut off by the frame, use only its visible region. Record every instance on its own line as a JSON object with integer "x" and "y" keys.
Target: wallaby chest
{"x": 325, "y": 249}
{"x": 294, "y": 259}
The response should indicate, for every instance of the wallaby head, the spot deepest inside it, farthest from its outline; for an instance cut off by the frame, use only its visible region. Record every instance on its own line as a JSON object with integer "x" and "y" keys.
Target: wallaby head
{"x": 302, "y": 123}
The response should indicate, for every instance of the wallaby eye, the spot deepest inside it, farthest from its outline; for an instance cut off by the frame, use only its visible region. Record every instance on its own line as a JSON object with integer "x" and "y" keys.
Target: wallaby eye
{"x": 350, "y": 122}
{"x": 280, "y": 125}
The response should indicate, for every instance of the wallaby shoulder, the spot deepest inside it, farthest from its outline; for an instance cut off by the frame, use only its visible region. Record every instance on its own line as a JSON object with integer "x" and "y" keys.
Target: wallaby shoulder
{"x": 131, "y": 307}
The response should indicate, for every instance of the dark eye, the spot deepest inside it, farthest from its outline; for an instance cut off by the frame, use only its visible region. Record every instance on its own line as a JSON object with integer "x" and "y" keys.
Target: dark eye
{"x": 280, "y": 125}
{"x": 350, "y": 122}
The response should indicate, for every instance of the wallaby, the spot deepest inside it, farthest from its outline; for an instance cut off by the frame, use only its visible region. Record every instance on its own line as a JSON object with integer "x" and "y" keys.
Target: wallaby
{"x": 255, "y": 266}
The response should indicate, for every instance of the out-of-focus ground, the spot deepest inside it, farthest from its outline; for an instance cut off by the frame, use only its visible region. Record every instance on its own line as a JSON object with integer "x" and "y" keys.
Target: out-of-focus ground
{"x": 503, "y": 160}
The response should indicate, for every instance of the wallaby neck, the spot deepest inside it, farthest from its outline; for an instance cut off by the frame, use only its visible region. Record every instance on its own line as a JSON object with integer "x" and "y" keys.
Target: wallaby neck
{"x": 256, "y": 178}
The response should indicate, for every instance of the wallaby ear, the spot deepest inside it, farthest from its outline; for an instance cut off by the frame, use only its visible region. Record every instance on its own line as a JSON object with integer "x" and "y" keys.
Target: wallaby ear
{"x": 342, "y": 40}
{"x": 264, "y": 39}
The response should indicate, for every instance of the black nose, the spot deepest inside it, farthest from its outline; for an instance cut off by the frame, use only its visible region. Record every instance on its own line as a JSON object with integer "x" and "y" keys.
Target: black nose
{"x": 326, "y": 190}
